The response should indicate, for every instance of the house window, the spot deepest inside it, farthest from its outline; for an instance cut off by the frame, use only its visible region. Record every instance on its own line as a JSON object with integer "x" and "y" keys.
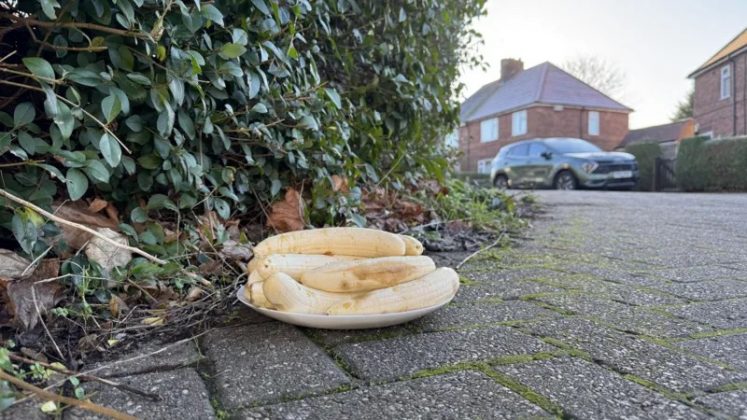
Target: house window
{"x": 489, "y": 130}
{"x": 483, "y": 166}
{"x": 519, "y": 123}
{"x": 593, "y": 123}
{"x": 725, "y": 82}
{"x": 452, "y": 140}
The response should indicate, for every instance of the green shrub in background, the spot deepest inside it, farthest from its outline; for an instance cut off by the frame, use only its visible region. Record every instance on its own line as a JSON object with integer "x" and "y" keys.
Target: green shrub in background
{"x": 645, "y": 154}
{"x": 712, "y": 165}
{"x": 217, "y": 106}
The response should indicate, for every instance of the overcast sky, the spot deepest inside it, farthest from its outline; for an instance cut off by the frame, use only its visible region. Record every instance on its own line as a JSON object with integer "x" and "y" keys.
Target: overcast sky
{"x": 656, "y": 43}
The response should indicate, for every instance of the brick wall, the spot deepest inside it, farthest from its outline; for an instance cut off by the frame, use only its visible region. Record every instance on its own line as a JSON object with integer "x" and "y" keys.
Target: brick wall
{"x": 722, "y": 117}
{"x": 542, "y": 121}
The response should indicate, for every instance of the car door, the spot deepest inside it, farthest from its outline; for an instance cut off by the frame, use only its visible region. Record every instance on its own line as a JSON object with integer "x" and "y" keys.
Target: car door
{"x": 516, "y": 161}
{"x": 538, "y": 167}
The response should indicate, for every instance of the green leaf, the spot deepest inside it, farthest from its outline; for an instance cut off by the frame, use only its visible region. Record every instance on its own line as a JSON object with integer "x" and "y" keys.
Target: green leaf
{"x": 77, "y": 183}
{"x": 64, "y": 120}
{"x": 262, "y": 6}
{"x": 292, "y": 52}
{"x": 259, "y": 108}
{"x": 96, "y": 170}
{"x": 23, "y": 114}
{"x": 139, "y": 78}
{"x": 56, "y": 173}
{"x": 48, "y": 7}
{"x": 334, "y": 97}
{"x": 149, "y": 161}
{"x": 275, "y": 187}
{"x": 39, "y": 67}
{"x": 110, "y": 149}
{"x": 138, "y": 215}
{"x": 231, "y": 50}
{"x": 212, "y": 13}
{"x": 111, "y": 106}
{"x": 160, "y": 201}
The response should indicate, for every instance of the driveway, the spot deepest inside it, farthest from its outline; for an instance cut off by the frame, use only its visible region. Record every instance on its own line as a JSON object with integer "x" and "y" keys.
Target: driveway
{"x": 616, "y": 305}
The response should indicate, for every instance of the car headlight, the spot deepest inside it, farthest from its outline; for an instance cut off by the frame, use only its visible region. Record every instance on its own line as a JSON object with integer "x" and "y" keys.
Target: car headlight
{"x": 589, "y": 167}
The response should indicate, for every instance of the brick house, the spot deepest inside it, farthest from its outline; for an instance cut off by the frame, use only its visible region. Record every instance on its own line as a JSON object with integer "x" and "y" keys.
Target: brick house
{"x": 719, "y": 103}
{"x": 667, "y": 135}
{"x": 542, "y": 101}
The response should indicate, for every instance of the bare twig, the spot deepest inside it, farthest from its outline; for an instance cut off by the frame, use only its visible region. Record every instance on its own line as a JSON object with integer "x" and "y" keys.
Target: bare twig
{"x": 86, "y": 405}
{"x": 44, "y": 324}
{"x": 88, "y": 378}
{"x": 84, "y": 228}
{"x": 472, "y": 255}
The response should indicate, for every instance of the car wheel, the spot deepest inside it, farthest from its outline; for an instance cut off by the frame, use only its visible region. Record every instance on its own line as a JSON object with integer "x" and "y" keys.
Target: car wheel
{"x": 565, "y": 180}
{"x": 501, "y": 182}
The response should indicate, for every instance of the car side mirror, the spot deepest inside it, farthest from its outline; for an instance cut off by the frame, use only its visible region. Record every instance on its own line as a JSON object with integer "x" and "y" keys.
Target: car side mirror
{"x": 547, "y": 155}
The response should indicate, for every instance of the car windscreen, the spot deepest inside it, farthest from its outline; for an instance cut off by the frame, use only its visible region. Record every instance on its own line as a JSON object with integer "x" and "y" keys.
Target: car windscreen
{"x": 572, "y": 146}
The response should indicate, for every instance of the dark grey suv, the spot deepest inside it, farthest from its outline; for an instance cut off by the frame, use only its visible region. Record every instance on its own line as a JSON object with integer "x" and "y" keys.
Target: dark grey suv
{"x": 562, "y": 163}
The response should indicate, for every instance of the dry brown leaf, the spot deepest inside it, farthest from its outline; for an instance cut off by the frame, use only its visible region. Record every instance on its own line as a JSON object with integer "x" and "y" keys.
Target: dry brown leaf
{"x": 287, "y": 215}
{"x": 117, "y": 305}
{"x": 21, "y": 297}
{"x": 12, "y": 265}
{"x": 235, "y": 251}
{"x": 340, "y": 184}
{"x": 112, "y": 213}
{"x": 97, "y": 205}
{"x": 79, "y": 212}
{"x": 194, "y": 294}
{"x": 106, "y": 254}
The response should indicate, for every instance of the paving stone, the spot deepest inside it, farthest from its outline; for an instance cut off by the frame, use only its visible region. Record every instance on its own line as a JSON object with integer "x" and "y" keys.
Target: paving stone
{"x": 404, "y": 356}
{"x": 506, "y": 290}
{"x": 456, "y": 316}
{"x": 463, "y": 394}
{"x": 176, "y": 356}
{"x": 732, "y": 403}
{"x": 182, "y": 394}
{"x": 629, "y": 354}
{"x": 707, "y": 290}
{"x": 730, "y": 349}
{"x": 331, "y": 338}
{"x": 586, "y": 390}
{"x": 622, "y": 293}
{"x": 720, "y": 314}
{"x": 268, "y": 362}
{"x": 625, "y": 317}
{"x": 29, "y": 410}
{"x": 693, "y": 274}
{"x": 509, "y": 275}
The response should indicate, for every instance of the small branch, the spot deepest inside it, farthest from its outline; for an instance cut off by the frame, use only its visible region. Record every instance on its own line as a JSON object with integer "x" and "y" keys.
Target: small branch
{"x": 88, "y": 378}
{"x": 62, "y": 221}
{"x": 85, "y": 405}
{"x": 79, "y": 25}
{"x": 472, "y": 255}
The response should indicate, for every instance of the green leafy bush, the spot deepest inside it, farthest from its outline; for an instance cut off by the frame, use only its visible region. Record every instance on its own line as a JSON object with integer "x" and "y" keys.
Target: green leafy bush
{"x": 712, "y": 165}
{"x": 165, "y": 107}
{"x": 645, "y": 154}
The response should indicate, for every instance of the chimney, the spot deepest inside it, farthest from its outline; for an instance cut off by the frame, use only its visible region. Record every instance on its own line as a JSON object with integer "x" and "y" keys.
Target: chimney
{"x": 510, "y": 68}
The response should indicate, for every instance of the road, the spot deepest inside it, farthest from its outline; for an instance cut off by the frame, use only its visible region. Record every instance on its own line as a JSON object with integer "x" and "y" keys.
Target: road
{"x": 616, "y": 305}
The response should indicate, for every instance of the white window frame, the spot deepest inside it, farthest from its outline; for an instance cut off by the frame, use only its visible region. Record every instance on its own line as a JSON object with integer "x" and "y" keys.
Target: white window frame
{"x": 451, "y": 140}
{"x": 519, "y": 123}
{"x": 725, "y": 82}
{"x": 489, "y": 130}
{"x": 594, "y": 125}
{"x": 484, "y": 166}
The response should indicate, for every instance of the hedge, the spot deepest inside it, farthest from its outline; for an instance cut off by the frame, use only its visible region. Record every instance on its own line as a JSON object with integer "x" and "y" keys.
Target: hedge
{"x": 712, "y": 165}
{"x": 645, "y": 154}
{"x": 168, "y": 108}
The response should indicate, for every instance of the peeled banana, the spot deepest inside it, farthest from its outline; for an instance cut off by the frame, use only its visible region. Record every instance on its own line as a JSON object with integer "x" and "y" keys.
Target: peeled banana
{"x": 429, "y": 290}
{"x": 255, "y": 294}
{"x": 288, "y": 295}
{"x": 295, "y": 265}
{"x": 354, "y": 242}
{"x": 412, "y": 245}
{"x": 367, "y": 274}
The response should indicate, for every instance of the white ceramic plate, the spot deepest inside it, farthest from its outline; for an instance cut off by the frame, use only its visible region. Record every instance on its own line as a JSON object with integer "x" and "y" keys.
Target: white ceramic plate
{"x": 341, "y": 322}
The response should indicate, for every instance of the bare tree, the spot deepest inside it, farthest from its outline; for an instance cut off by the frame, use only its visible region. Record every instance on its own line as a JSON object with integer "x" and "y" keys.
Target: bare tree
{"x": 599, "y": 73}
{"x": 685, "y": 107}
